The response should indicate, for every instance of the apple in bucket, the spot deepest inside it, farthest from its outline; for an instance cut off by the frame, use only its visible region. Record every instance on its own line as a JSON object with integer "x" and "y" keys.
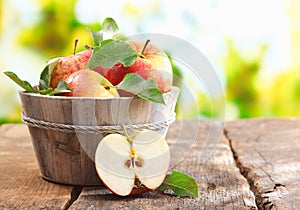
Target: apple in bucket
{"x": 151, "y": 62}
{"x": 87, "y": 83}
{"x": 68, "y": 65}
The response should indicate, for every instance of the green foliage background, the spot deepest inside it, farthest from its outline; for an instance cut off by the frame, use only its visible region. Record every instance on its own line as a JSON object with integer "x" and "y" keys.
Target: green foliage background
{"x": 248, "y": 94}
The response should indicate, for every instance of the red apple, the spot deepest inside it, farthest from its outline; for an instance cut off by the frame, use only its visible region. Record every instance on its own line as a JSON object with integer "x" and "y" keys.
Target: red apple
{"x": 87, "y": 83}
{"x": 151, "y": 63}
{"x": 68, "y": 65}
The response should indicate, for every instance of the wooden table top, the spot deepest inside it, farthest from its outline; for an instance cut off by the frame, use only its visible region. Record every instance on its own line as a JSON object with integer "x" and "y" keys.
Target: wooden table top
{"x": 255, "y": 164}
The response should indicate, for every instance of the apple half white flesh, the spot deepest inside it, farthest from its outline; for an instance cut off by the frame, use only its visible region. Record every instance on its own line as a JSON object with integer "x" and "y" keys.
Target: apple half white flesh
{"x": 127, "y": 165}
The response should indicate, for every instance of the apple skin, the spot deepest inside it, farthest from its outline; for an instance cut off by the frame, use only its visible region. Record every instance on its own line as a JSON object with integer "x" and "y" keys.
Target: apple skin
{"x": 140, "y": 190}
{"x": 68, "y": 65}
{"x": 87, "y": 83}
{"x": 154, "y": 63}
{"x": 135, "y": 191}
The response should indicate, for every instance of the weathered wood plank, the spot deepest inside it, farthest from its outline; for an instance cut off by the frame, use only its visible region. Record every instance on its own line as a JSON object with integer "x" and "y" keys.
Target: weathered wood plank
{"x": 268, "y": 154}
{"x": 21, "y": 186}
{"x": 220, "y": 183}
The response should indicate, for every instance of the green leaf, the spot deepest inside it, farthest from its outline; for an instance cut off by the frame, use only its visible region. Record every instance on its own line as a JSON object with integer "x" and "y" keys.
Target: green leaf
{"x": 108, "y": 31}
{"x": 97, "y": 36}
{"x": 146, "y": 89}
{"x": 47, "y": 72}
{"x": 112, "y": 52}
{"x": 22, "y": 83}
{"x": 107, "y": 41}
{"x": 181, "y": 184}
{"x": 46, "y": 91}
{"x": 62, "y": 87}
{"x": 109, "y": 28}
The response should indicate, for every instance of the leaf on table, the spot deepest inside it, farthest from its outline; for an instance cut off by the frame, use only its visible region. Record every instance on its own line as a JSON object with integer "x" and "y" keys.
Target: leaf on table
{"x": 22, "y": 83}
{"x": 146, "y": 89}
{"x": 45, "y": 76}
{"x": 181, "y": 184}
{"x": 111, "y": 52}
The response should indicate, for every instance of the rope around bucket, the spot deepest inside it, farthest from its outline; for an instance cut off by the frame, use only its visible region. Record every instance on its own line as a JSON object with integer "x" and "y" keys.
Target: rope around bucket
{"x": 94, "y": 129}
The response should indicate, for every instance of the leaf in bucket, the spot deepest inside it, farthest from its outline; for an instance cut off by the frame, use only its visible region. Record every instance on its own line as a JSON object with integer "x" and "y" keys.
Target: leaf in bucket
{"x": 111, "y": 52}
{"x": 97, "y": 36}
{"x": 146, "y": 89}
{"x": 62, "y": 87}
{"x": 47, "y": 72}
{"x": 108, "y": 31}
{"x": 109, "y": 28}
{"x": 181, "y": 184}
{"x": 22, "y": 83}
{"x": 46, "y": 91}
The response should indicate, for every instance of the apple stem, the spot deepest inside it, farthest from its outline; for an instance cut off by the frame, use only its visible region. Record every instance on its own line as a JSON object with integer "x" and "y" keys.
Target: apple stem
{"x": 144, "y": 48}
{"x": 88, "y": 47}
{"x": 126, "y": 134}
{"x": 75, "y": 46}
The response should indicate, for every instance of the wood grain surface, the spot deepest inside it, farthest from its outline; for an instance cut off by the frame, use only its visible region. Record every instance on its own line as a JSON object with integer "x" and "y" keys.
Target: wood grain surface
{"x": 268, "y": 153}
{"x": 220, "y": 183}
{"x": 254, "y": 165}
{"x": 21, "y": 186}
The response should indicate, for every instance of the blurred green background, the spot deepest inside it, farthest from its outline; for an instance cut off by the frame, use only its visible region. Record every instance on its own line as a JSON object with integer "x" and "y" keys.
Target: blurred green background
{"x": 254, "y": 46}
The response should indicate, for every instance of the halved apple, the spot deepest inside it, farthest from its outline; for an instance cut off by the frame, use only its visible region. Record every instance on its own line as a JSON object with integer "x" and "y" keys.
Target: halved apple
{"x": 132, "y": 165}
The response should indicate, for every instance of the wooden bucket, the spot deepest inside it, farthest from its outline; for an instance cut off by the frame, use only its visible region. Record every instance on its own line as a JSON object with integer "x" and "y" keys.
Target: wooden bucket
{"x": 65, "y": 131}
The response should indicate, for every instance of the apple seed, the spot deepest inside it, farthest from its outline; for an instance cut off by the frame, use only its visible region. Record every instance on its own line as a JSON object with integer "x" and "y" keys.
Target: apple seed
{"x": 138, "y": 162}
{"x": 128, "y": 163}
